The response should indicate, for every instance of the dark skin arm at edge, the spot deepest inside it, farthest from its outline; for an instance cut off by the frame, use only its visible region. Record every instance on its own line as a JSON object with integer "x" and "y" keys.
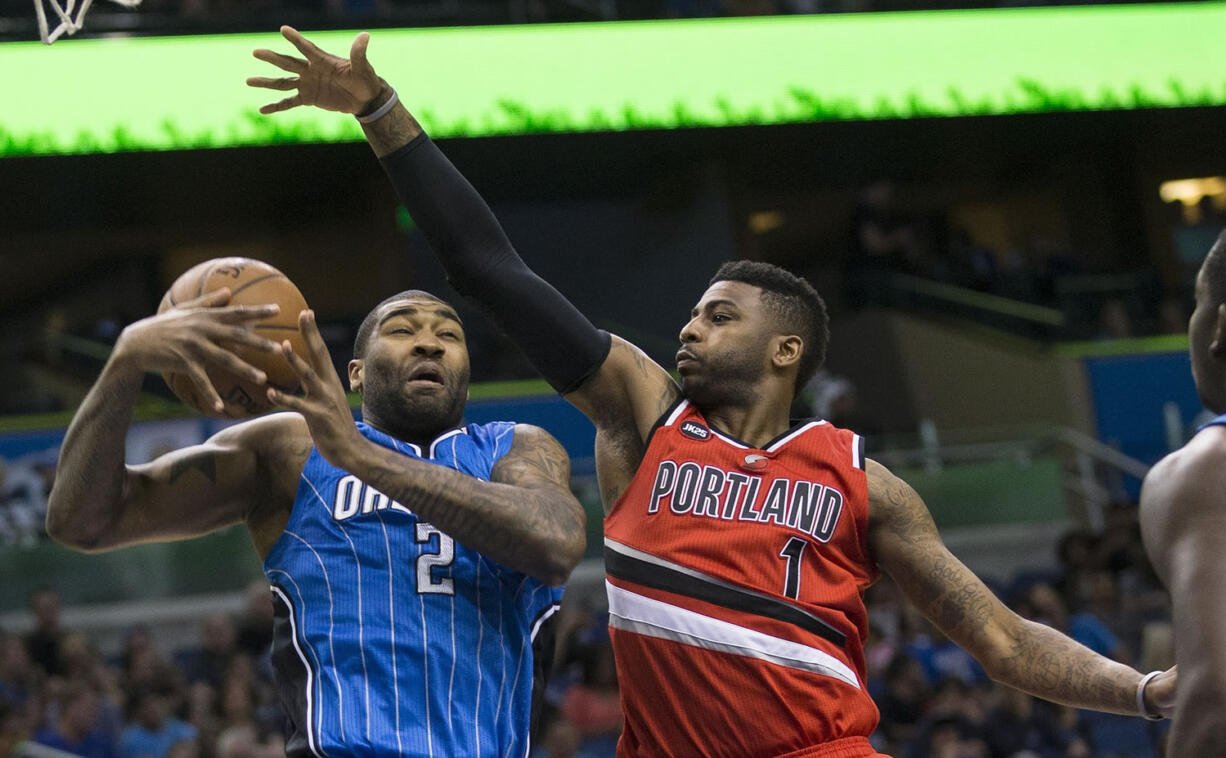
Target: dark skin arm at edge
{"x": 1183, "y": 519}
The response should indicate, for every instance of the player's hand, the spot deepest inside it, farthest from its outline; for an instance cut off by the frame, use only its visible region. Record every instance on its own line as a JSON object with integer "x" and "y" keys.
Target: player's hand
{"x": 1160, "y": 692}
{"x": 194, "y": 335}
{"x": 323, "y": 404}
{"x": 322, "y": 79}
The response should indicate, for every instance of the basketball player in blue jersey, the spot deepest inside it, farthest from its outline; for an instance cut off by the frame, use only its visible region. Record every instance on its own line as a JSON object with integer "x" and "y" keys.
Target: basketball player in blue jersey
{"x": 1183, "y": 522}
{"x": 413, "y": 561}
{"x": 753, "y": 337}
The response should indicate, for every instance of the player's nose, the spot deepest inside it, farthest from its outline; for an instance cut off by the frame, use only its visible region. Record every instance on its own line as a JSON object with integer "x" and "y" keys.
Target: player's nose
{"x": 689, "y": 332}
{"x": 429, "y": 346}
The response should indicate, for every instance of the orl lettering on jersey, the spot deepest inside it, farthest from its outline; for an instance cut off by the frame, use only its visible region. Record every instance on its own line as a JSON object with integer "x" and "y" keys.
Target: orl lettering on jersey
{"x": 353, "y": 496}
{"x": 705, "y": 490}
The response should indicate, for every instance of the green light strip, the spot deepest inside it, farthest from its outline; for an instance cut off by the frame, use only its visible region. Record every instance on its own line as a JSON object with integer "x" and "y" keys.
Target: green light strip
{"x": 187, "y": 92}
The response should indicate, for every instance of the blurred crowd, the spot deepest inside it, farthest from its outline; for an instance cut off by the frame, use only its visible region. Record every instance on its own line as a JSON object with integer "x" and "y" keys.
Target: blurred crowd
{"x": 216, "y": 697}
{"x": 211, "y": 698}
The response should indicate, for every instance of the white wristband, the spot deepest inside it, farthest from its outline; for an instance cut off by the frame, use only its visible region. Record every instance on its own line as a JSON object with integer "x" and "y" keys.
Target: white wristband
{"x": 381, "y": 111}
{"x": 1141, "y": 709}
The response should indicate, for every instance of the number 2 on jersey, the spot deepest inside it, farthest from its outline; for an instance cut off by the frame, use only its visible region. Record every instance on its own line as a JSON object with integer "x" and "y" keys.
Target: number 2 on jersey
{"x": 793, "y": 552}
{"x": 427, "y": 584}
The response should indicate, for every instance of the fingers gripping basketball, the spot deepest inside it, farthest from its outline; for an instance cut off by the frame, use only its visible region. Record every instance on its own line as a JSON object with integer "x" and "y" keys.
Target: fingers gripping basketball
{"x": 250, "y": 282}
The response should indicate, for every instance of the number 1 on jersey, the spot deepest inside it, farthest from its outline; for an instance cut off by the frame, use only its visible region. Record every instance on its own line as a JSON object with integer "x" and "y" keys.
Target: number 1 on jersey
{"x": 793, "y": 552}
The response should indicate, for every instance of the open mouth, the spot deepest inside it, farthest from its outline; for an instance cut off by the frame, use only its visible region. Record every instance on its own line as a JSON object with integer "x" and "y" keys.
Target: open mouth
{"x": 427, "y": 374}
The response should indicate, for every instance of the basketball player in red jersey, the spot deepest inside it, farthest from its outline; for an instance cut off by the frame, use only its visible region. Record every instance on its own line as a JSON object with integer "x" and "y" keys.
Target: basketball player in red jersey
{"x": 737, "y": 547}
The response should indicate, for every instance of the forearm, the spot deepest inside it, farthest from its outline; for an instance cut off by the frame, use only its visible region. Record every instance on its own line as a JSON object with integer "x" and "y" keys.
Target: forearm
{"x": 482, "y": 264}
{"x": 1052, "y": 666}
{"x": 531, "y": 530}
{"x": 393, "y": 131}
{"x": 89, "y": 481}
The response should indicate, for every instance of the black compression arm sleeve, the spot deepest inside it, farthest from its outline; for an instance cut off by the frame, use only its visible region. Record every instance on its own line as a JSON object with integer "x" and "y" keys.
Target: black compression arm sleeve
{"x": 481, "y": 264}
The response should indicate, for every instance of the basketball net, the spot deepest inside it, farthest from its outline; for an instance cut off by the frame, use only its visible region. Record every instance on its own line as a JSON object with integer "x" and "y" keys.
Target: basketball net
{"x": 68, "y": 23}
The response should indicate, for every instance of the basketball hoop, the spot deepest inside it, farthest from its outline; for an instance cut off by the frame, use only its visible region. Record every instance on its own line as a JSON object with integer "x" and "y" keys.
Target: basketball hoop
{"x": 68, "y": 23}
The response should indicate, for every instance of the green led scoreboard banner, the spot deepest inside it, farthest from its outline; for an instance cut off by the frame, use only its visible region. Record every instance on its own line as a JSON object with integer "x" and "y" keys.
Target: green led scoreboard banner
{"x": 118, "y": 94}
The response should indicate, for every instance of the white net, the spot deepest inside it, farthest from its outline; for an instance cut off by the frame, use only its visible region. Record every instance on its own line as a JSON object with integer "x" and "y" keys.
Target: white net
{"x": 69, "y": 17}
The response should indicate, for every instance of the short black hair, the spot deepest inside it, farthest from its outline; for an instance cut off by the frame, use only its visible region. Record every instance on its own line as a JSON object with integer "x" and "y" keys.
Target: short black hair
{"x": 368, "y": 324}
{"x": 1215, "y": 270}
{"x": 793, "y": 303}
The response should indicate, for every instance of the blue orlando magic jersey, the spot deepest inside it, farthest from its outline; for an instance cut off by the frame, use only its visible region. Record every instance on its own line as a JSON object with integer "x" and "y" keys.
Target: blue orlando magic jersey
{"x": 1218, "y": 421}
{"x": 390, "y": 637}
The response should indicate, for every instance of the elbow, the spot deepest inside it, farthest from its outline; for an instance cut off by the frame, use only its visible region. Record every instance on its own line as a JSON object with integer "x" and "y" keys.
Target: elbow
{"x": 563, "y": 556}
{"x": 69, "y": 531}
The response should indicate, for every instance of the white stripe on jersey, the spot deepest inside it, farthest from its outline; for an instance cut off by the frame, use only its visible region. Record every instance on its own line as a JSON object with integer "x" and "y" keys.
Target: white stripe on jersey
{"x": 358, "y": 564}
{"x": 425, "y": 647}
{"x": 391, "y": 611}
{"x": 480, "y": 668}
{"x": 310, "y": 687}
{"x": 780, "y": 443}
{"x": 672, "y": 417}
{"x": 856, "y": 459}
{"x": 340, "y": 697}
{"x": 632, "y": 612}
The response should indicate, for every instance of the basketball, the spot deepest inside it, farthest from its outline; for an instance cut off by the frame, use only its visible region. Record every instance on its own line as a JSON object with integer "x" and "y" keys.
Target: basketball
{"x": 251, "y": 282}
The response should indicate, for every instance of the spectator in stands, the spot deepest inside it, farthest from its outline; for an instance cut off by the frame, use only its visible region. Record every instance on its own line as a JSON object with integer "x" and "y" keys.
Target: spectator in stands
{"x": 218, "y": 645}
{"x": 44, "y": 642}
{"x": 1021, "y": 725}
{"x": 254, "y": 636}
{"x": 592, "y": 705}
{"x": 883, "y": 240}
{"x": 18, "y": 678}
{"x": 141, "y": 665}
{"x": 75, "y": 728}
{"x": 151, "y": 731}
{"x": 902, "y": 703}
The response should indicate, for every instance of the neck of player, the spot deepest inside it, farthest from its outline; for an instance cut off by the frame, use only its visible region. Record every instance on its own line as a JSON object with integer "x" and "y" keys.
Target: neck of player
{"x": 755, "y": 424}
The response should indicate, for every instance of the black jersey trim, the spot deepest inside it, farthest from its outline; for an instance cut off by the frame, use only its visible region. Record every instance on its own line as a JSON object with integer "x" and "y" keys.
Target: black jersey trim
{"x": 662, "y": 575}
{"x": 672, "y": 408}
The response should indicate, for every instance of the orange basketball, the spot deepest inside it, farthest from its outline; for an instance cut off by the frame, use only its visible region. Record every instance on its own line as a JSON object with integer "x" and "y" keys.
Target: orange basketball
{"x": 251, "y": 282}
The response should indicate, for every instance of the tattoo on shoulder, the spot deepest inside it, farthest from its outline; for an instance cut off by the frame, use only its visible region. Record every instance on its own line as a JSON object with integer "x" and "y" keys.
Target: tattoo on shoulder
{"x": 534, "y": 457}
{"x": 205, "y": 463}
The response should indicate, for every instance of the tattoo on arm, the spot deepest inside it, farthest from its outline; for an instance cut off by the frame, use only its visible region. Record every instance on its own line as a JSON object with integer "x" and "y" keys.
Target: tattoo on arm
{"x": 525, "y": 517}
{"x": 1020, "y": 653}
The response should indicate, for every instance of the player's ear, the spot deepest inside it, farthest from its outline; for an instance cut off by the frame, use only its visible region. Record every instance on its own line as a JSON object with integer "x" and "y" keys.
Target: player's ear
{"x": 788, "y": 350}
{"x": 1217, "y": 347}
{"x": 355, "y": 375}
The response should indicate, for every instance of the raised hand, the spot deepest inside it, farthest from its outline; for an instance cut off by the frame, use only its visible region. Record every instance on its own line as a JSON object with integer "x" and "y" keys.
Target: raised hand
{"x": 348, "y": 85}
{"x": 324, "y": 404}
{"x": 190, "y": 336}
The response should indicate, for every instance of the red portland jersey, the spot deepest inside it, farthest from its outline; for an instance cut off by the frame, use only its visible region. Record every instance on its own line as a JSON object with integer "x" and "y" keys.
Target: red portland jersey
{"x": 735, "y": 580}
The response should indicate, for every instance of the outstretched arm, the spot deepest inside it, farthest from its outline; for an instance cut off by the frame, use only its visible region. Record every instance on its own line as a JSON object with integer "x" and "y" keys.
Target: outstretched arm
{"x": 97, "y": 503}
{"x": 616, "y": 386}
{"x": 1022, "y": 654}
{"x": 1183, "y": 518}
{"x": 525, "y": 517}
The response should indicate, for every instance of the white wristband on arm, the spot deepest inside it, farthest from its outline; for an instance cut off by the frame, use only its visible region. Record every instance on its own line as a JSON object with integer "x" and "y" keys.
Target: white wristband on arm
{"x": 381, "y": 111}
{"x": 1141, "y": 709}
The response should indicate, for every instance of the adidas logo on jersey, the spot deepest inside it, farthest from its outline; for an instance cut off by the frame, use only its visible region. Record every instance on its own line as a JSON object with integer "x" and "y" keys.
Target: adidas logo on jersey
{"x": 695, "y": 430}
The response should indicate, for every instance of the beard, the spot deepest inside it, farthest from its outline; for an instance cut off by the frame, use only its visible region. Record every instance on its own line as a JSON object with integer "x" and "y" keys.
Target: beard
{"x": 723, "y": 380}
{"x": 412, "y": 416}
